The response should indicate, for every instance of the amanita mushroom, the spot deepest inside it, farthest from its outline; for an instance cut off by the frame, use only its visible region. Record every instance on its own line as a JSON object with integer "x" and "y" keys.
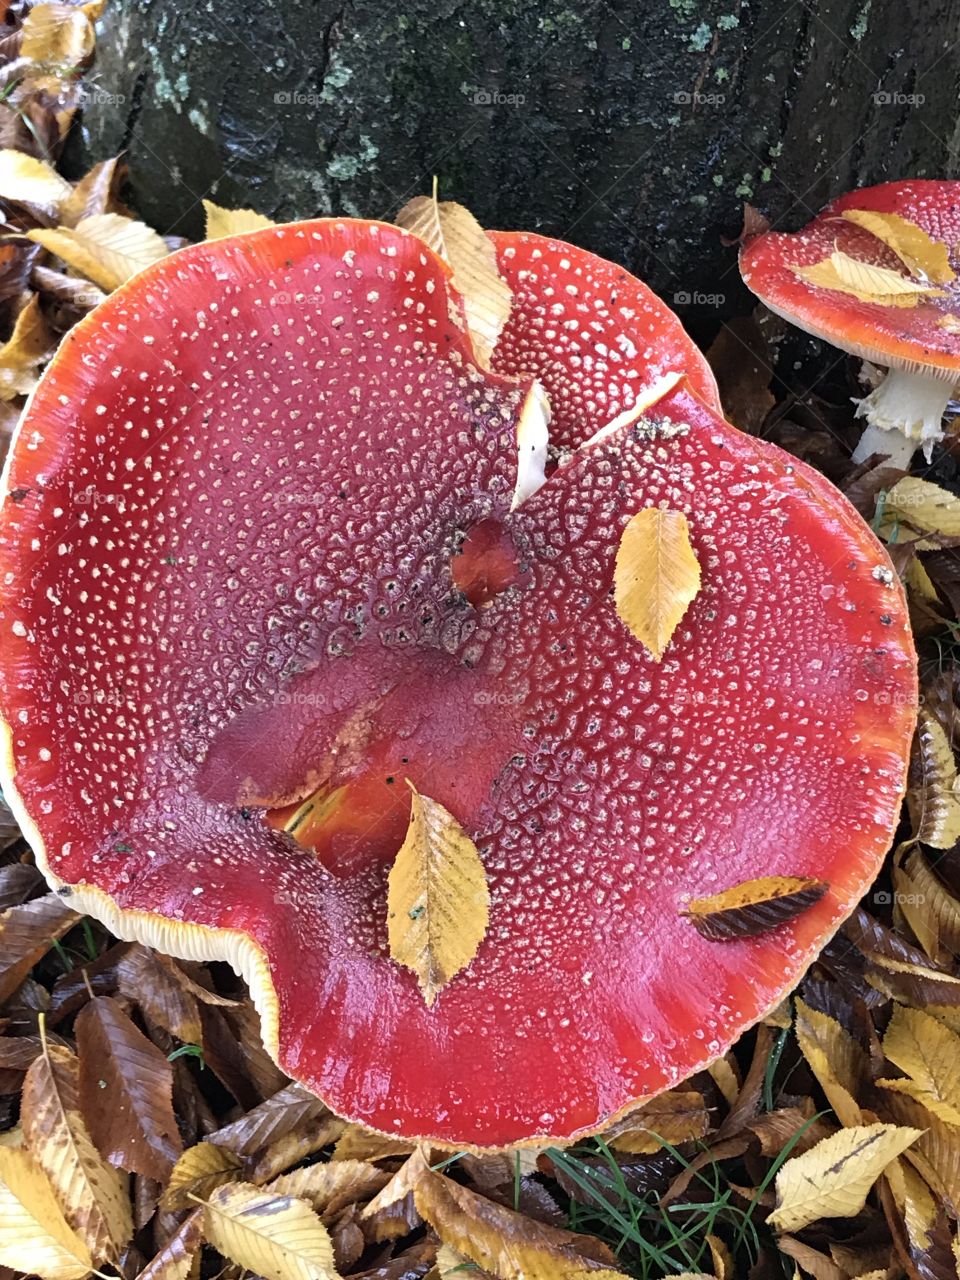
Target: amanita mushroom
{"x": 875, "y": 275}
{"x": 286, "y": 452}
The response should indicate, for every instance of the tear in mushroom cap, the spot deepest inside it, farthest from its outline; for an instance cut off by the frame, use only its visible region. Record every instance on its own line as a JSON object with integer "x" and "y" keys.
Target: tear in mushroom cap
{"x": 924, "y": 334}
{"x": 231, "y": 518}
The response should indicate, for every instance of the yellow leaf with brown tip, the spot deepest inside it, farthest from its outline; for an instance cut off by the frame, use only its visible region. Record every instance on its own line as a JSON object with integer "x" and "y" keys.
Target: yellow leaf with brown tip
{"x": 918, "y": 252}
{"x": 753, "y": 907}
{"x": 838, "y": 1062}
{"x": 455, "y": 235}
{"x": 863, "y": 280}
{"x": 656, "y": 576}
{"x": 107, "y": 248}
{"x": 438, "y": 901}
{"x": 832, "y": 1179}
{"x": 232, "y": 222}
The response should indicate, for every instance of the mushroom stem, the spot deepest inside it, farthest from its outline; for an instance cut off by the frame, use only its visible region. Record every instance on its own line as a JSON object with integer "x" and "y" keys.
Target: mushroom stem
{"x": 905, "y": 411}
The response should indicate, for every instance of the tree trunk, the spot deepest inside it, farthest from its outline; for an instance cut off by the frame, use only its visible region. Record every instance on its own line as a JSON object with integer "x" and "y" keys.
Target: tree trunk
{"x": 635, "y": 129}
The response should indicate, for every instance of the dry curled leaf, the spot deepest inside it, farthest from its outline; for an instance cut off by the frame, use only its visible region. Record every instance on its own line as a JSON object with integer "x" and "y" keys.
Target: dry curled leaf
{"x": 93, "y": 1194}
{"x": 863, "y": 280}
{"x": 832, "y": 1179}
{"x": 333, "y": 1185}
{"x": 918, "y": 252}
{"x": 222, "y": 222}
{"x": 272, "y": 1236}
{"x": 656, "y": 576}
{"x": 454, "y": 234}
{"x": 753, "y": 907}
{"x": 106, "y": 248}
{"x": 35, "y": 1237}
{"x": 176, "y": 1259}
{"x": 934, "y": 802}
{"x": 96, "y": 192}
{"x": 438, "y": 901}
{"x": 126, "y": 1088}
{"x": 148, "y": 979}
{"x": 287, "y": 1112}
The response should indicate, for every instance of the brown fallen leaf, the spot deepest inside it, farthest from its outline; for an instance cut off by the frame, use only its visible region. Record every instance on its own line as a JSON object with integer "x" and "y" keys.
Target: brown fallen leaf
{"x": 813, "y": 1262}
{"x": 656, "y": 576}
{"x": 676, "y": 1116}
{"x": 833, "y": 1179}
{"x": 438, "y": 901}
{"x": 149, "y": 981}
{"x": 96, "y": 192}
{"x": 838, "y": 1062}
{"x": 392, "y": 1213}
{"x": 789, "y": 1124}
{"x": 126, "y": 1087}
{"x": 283, "y": 1114}
{"x": 93, "y": 1195}
{"x": 26, "y": 934}
{"x": 332, "y": 1186}
{"x": 933, "y": 803}
{"x": 357, "y": 1143}
{"x": 753, "y": 907}
{"x": 198, "y": 1173}
{"x": 500, "y": 1240}
{"x": 176, "y": 1259}
{"x": 292, "y": 1148}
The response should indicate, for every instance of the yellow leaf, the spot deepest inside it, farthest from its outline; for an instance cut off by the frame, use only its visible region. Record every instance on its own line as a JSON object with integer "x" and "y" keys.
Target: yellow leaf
{"x": 454, "y": 234}
{"x": 675, "y": 1116}
{"x": 28, "y": 346}
{"x": 273, "y": 1236}
{"x": 232, "y": 222}
{"x": 656, "y": 576}
{"x": 934, "y": 804}
{"x": 919, "y": 1207}
{"x": 924, "y": 505}
{"x": 331, "y": 1185}
{"x": 753, "y": 907}
{"x": 56, "y": 34}
{"x": 920, "y": 254}
{"x": 723, "y": 1072}
{"x": 177, "y": 1259}
{"x": 723, "y": 1267}
{"x": 929, "y": 1053}
{"x": 939, "y": 906}
{"x": 197, "y": 1173}
{"x": 862, "y": 280}
{"x": 835, "y": 1058}
{"x": 35, "y": 1238}
{"x": 107, "y": 248}
{"x": 358, "y": 1143}
{"x": 26, "y": 180}
{"x": 832, "y": 1179}
{"x": 438, "y": 901}
{"x": 93, "y": 1195}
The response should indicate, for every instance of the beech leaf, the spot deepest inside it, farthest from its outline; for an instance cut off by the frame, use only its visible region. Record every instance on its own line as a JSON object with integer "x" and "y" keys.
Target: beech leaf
{"x": 455, "y": 235}
{"x": 30, "y": 344}
{"x": 176, "y": 1259}
{"x": 198, "y": 1173}
{"x": 918, "y": 252}
{"x": 838, "y": 1062}
{"x": 94, "y": 193}
{"x": 35, "y": 1237}
{"x": 26, "y": 180}
{"x": 273, "y": 1236}
{"x": 438, "y": 901}
{"x": 106, "y": 248}
{"x": 57, "y": 35}
{"x": 126, "y": 1088}
{"x": 865, "y": 281}
{"x": 656, "y": 576}
{"x": 333, "y": 1185}
{"x": 928, "y": 1053}
{"x": 753, "y": 907}
{"x": 26, "y": 934}
{"x": 678, "y": 1115}
{"x": 934, "y": 804}
{"x": 93, "y": 1195}
{"x": 832, "y": 1179}
{"x": 232, "y": 222}
{"x": 924, "y": 505}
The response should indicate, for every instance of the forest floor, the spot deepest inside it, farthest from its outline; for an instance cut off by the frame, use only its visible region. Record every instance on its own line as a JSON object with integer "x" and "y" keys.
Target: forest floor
{"x": 827, "y": 1140}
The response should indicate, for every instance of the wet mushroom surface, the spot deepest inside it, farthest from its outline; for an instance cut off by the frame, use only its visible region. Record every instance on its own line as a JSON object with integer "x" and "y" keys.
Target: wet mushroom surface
{"x": 259, "y": 546}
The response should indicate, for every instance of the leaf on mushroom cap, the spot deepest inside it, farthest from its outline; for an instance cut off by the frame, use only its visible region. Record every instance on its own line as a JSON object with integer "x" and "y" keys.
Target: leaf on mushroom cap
{"x": 229, "y": 627}
{"x": 838, "y": 277}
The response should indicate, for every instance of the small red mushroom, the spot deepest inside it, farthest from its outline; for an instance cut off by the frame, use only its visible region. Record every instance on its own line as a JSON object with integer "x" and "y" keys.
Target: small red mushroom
{"x": 875, "y": 274}
{"x": 259, "y": 544}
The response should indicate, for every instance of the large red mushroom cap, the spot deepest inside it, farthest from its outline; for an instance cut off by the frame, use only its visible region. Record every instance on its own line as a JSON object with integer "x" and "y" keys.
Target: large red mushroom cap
{"x": 233, "y": 542}
{"x": 875, "y": 274}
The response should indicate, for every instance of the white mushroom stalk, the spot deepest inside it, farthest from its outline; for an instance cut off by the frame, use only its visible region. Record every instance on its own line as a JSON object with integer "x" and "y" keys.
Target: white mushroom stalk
{"x": 903, "y": 413}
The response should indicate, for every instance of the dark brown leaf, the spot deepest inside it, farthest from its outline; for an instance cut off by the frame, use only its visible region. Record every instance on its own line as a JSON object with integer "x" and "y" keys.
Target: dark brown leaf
{"x": 173, "y": 1261}
{"x": 125, "y": 1091}
{"x": 152, "y": 982}
{"x": 26, "y": 934}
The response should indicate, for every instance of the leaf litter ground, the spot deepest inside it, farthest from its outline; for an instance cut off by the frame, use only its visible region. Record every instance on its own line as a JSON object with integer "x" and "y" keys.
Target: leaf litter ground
{"x": 144, "y": 1130}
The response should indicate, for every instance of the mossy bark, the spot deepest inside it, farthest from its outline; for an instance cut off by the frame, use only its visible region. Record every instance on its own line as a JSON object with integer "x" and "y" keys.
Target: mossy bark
{"x": 636, "y": 129}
